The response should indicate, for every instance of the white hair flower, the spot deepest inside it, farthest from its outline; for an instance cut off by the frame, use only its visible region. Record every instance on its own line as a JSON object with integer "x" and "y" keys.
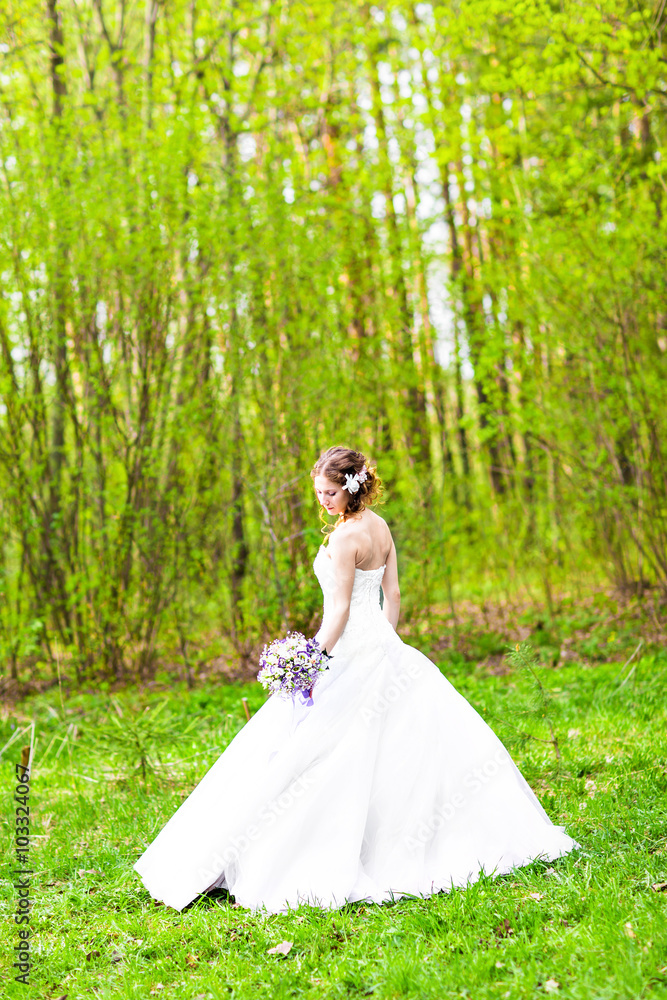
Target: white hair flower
{"x": 353, "y": 482}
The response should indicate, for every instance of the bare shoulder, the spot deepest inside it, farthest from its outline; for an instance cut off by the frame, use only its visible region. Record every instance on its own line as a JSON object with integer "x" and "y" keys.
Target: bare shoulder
{"x": 366, "y": 539}
{"x": 350, "y": 536}
{"x": 379, "y": 525}
{"x": 361, "y": 525}
{"x": 376, "y": 519}
{"x": 344, "y": 539}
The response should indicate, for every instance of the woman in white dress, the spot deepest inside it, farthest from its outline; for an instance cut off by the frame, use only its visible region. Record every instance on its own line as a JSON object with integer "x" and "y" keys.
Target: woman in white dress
{"x": 388, "y": 784}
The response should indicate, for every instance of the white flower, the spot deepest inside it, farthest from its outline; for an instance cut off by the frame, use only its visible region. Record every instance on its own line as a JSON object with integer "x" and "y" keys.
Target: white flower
{"x": 352, "y": 483}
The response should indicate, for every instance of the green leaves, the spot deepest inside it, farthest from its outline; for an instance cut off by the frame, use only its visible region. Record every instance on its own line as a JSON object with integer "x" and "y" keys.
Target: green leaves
{"x": 434, "y": 232}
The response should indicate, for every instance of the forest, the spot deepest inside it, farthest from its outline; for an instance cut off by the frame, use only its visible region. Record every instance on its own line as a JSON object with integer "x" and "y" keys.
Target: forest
{"x": 234, "y": 234}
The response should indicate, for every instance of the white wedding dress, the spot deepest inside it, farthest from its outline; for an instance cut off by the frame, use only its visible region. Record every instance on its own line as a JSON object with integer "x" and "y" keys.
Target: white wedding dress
{"x": 389, "y": 784}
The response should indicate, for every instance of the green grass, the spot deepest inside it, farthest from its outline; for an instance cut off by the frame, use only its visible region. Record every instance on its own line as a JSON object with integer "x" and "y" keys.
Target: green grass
{"x": 588, "y": 927}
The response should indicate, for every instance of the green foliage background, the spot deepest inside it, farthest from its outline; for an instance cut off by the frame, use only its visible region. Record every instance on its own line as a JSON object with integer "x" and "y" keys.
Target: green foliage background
{"x": 233, "y": 234}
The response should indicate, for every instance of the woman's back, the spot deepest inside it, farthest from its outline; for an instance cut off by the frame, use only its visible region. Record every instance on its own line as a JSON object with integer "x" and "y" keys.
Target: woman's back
{"x": 371, "y": 536}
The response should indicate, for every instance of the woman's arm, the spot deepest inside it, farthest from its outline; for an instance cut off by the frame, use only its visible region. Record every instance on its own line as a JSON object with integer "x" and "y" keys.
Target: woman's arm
{"x": 391, "y": 605}
{"x": 343, "y": 556}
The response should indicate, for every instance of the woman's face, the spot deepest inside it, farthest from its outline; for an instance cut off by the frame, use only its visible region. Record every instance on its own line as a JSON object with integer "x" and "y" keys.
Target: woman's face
{"x": 332, "y": 496}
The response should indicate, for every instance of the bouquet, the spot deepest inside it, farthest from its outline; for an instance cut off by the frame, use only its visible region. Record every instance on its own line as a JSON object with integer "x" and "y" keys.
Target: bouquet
{"x": 292, "y": 665}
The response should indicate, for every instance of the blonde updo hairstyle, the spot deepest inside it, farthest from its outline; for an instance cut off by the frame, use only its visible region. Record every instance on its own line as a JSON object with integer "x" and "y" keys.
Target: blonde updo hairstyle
{"x": 335, "y": 464}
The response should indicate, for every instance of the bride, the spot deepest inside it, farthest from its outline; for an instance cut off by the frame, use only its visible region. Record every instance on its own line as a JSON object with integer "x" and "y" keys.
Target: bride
{"x": 388, "y": 784}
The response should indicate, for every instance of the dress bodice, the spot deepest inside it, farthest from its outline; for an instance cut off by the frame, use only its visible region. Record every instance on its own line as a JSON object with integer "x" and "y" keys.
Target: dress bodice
{"x": 366, "y": 587}
{"x": 366, "y": 617}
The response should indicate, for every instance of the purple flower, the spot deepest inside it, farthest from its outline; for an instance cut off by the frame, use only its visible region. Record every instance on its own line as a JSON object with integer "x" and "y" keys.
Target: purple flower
{"x": 292, "y": 664}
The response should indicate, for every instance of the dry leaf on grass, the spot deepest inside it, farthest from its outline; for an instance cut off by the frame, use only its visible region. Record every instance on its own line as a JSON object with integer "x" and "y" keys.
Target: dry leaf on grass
{"x": 192, "y": 960}
{"x": 284, "y": 948}
{"x": 629, "y": 930}
{"x": 659, "y": 887}
{"x": 536, "y": 895}
{"x": 551, "y": 986}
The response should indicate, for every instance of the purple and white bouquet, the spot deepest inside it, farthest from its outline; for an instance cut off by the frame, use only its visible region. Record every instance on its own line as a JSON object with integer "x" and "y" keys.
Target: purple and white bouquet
{"x": 291, "y": 665}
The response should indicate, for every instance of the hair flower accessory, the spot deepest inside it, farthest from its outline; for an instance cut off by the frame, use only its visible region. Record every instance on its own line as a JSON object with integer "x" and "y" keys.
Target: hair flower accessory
{"x": 353, "y": 482}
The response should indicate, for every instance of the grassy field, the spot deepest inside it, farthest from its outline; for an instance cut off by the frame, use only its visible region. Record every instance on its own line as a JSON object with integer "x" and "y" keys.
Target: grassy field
{"x": 110, "y": 768}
